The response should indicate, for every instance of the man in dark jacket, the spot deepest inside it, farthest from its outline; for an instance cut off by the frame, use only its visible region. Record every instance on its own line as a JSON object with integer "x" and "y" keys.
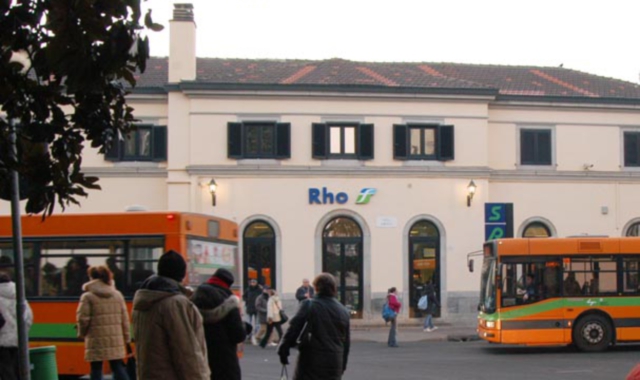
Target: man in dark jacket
{"x": 223, "y": 325}
{"x": 324, "y": 325}
{"x": 250, "y": 295}
{"x": 304, "y": 292}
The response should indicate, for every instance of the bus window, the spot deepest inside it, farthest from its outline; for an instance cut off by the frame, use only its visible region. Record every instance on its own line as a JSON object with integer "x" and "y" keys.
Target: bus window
{"x": 597, "y": 276}
{"x": 538, "y": 281}
{"x": 143, "y": 261}
{"x": 7, "y": 266}
{"x": 631, "y": 272}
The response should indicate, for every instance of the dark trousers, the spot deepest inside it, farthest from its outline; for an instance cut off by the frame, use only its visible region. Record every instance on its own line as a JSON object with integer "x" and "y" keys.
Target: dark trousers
{"x": 9, "y": 367}
{"x": 270, "y": 327}
{"x": 117, "y": 367}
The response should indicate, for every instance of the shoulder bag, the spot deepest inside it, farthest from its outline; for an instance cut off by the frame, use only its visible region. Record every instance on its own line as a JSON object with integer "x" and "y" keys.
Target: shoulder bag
{"x": 283, "y": 316}
{"x": 304, "y": 338}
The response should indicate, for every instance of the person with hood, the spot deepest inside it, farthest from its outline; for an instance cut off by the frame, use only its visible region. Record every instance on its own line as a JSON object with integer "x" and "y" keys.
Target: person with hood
{"x": 250, "y": 295}
{"x": 103, "y": 323}
{"x": 320, "y": 330}
{"x": 273, "y": 318}
{"x": 9, "y": 367}
{"x": 167, "y": 327}
{"x": 223, "y": 325}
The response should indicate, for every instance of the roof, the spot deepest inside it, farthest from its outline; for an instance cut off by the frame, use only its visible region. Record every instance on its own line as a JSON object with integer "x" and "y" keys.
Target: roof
{"x": 500, "y": 80}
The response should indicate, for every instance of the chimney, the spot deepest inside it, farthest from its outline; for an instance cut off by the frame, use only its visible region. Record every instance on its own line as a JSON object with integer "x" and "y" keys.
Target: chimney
{"x": 182, "y": 44}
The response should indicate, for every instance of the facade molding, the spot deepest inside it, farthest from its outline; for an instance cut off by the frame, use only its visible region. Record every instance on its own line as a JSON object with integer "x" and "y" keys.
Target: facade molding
{"x": 127, "y": 171}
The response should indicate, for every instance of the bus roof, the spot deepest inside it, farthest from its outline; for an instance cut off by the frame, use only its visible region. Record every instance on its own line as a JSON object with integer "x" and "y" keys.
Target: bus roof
{"x": 583, "y": 245}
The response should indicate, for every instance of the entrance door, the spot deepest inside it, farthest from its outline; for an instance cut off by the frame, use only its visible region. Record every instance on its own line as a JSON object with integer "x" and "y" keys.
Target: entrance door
{"x": 259, "y": 246}
{"x": 342, "y": 257}
{"x": 424, "y": 264}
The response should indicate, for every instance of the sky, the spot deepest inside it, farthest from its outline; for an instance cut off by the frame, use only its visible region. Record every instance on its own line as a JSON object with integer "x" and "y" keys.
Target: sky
{"x": 598, "y": 37}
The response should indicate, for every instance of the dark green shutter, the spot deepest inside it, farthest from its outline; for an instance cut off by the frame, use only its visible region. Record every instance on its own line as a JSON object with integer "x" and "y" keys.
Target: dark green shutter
{"x": 159, "y": 143}
{"x": 283, "y": 140}
{"x": 400, "y": 141}
{"x": 319, "y": 140}
{"x": 365, "y": 141}
{"x": 112, "y": 153}
{"x": 631, "y": 151}
{"x": 446, "y": 142}
{"x": 234, "y": 140}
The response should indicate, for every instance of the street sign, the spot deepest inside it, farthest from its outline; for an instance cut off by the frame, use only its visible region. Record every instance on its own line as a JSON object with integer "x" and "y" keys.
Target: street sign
{"x": 498, "y": 221}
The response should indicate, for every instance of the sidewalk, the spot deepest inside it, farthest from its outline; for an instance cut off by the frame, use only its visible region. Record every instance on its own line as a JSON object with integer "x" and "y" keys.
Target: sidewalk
{"x": 413, "y": 333}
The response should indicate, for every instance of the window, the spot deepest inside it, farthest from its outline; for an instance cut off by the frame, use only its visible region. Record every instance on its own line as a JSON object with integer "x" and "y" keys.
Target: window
{"x": 634, "y": 229}
{"x": 535, "y": 230}
{"x": 342, "y": 140}
{"x": 595, "y": 275}
{"x": 259, "y": 139}
{"x": 632, "y": 149}
{"x": 631, "y": 275}
{"x": 145, "y": 143}
{"x": 423, "y": 142}
{"x": 531, "y": 281}
{"x": 535, "y": 147}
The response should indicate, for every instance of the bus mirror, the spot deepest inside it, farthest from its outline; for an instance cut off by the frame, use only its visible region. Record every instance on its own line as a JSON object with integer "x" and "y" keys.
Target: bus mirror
{"x": 470, "y": 265}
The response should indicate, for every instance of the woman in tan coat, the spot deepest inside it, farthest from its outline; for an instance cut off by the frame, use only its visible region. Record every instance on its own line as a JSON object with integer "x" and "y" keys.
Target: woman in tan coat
{"x": 273, "y": 318}
{"x": 103, "y": 322}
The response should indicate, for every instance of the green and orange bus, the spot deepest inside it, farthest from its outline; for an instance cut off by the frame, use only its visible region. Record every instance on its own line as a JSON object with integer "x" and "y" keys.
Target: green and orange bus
{"x": 58, "y": 251}
{"x": 556, "y": 291}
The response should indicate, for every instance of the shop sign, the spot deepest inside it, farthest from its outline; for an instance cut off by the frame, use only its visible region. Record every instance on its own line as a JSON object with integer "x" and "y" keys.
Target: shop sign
{"x": 498, "y": 221}
{"x": 323, "y": 196}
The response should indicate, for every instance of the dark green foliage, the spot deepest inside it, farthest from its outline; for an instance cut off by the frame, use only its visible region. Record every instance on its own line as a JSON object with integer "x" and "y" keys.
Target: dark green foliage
{"x": 81, "y": 53}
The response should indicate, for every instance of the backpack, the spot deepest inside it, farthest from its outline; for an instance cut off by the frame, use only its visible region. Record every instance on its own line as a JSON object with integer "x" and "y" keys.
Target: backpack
{"x": 423, "y": 302}
{"x": 387, "y": 312}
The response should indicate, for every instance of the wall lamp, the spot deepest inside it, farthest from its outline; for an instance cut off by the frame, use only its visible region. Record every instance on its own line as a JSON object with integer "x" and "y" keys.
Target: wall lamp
{"x": 471, "y": 190}
{"x": 212, "y": 189}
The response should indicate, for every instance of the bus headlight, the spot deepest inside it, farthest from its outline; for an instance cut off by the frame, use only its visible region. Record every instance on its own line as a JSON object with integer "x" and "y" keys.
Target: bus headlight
{"x": 491, "y": 324}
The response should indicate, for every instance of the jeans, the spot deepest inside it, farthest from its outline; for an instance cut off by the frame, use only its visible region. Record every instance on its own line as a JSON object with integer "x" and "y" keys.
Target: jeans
{"x": 117, "y": 367}
{"x": 392, "y": 342}
{"x": 428, "y": 321}
{"x": 253, "y": 320}
{"x": 270, "y": 327}
{"x": 9, "y": 363}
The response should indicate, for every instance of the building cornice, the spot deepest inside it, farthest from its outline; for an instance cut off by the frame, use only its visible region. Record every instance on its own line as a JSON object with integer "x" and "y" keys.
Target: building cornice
{"x": 126, "y": 171}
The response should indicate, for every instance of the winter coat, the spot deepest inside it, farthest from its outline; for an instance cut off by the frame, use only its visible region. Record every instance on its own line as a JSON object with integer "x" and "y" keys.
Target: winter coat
{"x": 103, "y": 322}
{"x": 432, "y": 306}
{"x": 394, "y": 304}
{"x": 223, "y": 329}
{"x": 325, "y": 356}
{"x": 273, "y": 309}
{"x": 302, "y": 291}
{"x": 9, "y": 332}
{"x": 250, "y": 295}
{"x": 168, "y": 333}
{"x": 261, "y": 307}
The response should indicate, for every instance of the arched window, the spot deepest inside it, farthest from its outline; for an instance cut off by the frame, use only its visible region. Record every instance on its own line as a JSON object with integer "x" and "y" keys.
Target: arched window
{"x": 424, "y": 263}
{"x": 342, "y": 257}
{"x": 634, "y": 229}
{"x": 536, "y": 230}
{"x": 259, "y": 252}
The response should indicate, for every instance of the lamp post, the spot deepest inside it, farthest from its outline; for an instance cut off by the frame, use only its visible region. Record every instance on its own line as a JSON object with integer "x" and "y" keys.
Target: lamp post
{"x": 212, "y": 189}
{"x": 471, "y": 190}
{"x": 21, "y": 306}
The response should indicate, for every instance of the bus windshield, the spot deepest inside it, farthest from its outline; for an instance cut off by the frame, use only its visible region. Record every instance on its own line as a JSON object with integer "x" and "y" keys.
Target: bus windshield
{"x": 488, "y": 286}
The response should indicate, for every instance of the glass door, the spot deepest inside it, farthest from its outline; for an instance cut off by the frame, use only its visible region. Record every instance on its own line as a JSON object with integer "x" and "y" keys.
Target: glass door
{"x": 259, "y": 254}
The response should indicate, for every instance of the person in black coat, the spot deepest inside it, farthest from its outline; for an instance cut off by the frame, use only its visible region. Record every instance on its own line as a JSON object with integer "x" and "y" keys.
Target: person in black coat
{"x": 253, "y": 291}
{"x": 223, "y": 325}
{"x": 323, "y": 324}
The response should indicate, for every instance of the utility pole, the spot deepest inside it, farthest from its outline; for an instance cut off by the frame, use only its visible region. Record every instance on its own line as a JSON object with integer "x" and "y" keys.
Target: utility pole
{"x": 21, "y": 303}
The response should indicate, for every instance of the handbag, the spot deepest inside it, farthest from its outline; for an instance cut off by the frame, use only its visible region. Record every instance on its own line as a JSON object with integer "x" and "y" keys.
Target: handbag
{"x": 284, "y": 375}
{"x": 131, "y": 364}
{"x": 283, "y": 316}
{"x": 304, "y": 338}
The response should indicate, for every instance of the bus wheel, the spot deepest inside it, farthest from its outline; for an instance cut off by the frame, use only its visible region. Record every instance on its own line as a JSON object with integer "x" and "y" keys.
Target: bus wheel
{"x": 592, "y": 333}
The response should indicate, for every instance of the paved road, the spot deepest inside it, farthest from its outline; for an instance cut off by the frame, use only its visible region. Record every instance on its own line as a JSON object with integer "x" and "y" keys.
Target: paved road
{"x": 460, "y": 360}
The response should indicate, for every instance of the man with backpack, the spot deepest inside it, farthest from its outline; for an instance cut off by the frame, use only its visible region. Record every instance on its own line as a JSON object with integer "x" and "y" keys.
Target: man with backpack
{"x": 429, "y": 303}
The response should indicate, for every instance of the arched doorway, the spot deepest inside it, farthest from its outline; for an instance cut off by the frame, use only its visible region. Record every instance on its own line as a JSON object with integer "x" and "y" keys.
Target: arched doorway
{"x": 536, "y": 230}
{"x": 342, "y": 257}
{"x": 424, "y": 263}
{"x": 259, "y": 254}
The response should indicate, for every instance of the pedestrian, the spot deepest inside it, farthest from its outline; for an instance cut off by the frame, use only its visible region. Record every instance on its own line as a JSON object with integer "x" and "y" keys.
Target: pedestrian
{"x": 273, "y": 318}
{"x": 395, "y": 305}
{"x": 9, "y": 361}
{"x": 253, "y": 291}
{"x": 261, "y": 309}
{"x": 304, "y": 292}
{"x": 103, "y": 323}
{"x": 432, "y": 307}
{"x": 167, "y": 327}
{"x": 320, "y": 330}
{"x": 223, "y": 325}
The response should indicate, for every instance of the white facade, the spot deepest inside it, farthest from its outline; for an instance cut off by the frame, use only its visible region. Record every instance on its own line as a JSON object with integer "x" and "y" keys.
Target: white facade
{"x": 586, "y": 189}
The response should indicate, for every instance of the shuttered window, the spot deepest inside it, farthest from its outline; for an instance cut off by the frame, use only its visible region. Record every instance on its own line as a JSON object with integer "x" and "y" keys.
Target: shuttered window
{"x": 342, "y": 141}
{"x": 257, "y": 139}
{"x": 423, "y": 142}
{"x": 145, "y": 143}
{"x": 535, "y": 147}
{"x": 632, "y": 149}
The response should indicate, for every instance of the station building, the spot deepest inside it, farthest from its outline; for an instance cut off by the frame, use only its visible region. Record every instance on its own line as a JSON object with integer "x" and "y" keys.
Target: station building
{"x": 364, "y": 169}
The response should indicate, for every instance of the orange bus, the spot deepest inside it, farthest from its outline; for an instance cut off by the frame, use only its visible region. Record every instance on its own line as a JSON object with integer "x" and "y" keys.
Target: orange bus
{"x": 58, "y": 251}
{"x": 582, "y": 291}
